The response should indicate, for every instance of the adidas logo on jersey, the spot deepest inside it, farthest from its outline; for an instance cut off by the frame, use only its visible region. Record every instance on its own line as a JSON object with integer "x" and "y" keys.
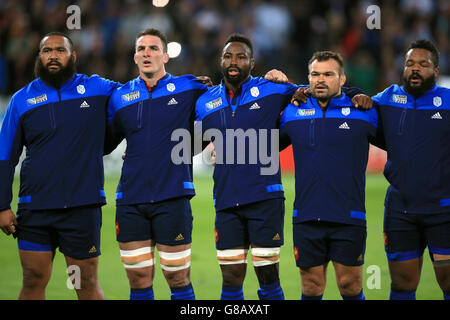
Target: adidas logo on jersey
{"x": 344, "y": 126}
{"x": 437, "y": 115}
{"x": 172, "y": 102}
{"x": 254, "y": 106}
{"x": 84, "y": 105}
{"x": 179, "y": 237}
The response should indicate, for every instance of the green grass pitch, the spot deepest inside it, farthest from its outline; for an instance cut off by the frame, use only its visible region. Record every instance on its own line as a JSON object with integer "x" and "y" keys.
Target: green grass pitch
{"x": 205, "y": 272}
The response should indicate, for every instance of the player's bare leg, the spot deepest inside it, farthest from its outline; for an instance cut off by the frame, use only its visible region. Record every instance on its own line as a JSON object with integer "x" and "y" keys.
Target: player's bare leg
{"x": 233, "y": 265}
{"x": 37, "y": 269}
{"x": 89, "y": 288}
{"x": 405, "y": 275}
{"x": 442, "y": 270}
{"x": 314, "y": 280}
{"x": 138, "y": 260}
{"x": 266, "y": 264}
{"x": 349, "y": 279}
{"x": 175, "y": 263}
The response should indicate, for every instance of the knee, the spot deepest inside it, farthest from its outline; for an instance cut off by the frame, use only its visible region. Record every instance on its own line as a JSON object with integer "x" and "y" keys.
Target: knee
{"x": 312, "y": 284}
{"x": 233, "y": 264}
{"x": 443, "y": 278}
{"x": 139, "y": 277}
{"x": 33, "y": 277}
{"x": 404, "y": 282}
{"x": 234, "y": 274}
{"x": 177, "y": 279}
{"x": 350, "y": 285}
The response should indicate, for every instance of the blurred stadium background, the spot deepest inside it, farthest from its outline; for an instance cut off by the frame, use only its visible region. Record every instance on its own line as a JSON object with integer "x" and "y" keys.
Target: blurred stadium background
{"x": 284, "y": 34}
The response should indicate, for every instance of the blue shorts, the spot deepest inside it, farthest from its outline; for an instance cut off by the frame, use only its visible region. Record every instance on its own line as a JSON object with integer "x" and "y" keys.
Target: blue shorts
{"x": 260, "y": 223}
{"x": 76, "y": 231}
{"x": 168, "y": 222}
{"x": 407, "y": 235}
{"x": 318, "y": 242}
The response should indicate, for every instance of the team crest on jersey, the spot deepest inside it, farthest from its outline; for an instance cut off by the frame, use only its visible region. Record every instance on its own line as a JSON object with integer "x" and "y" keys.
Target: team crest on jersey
{"x": 170, "y": 87}
{"x": 37, "y": 100}
{"x": 345, "y": 111}
{"x": 214, "y": 104}
{"x": 254, "y": 91}
{"x": 306, "y": 112}
{"x": 437, "y": 101}
{"x": 398, "y": 98}
{"x": 130, "y": 96}
{"x": 81, "y": 89}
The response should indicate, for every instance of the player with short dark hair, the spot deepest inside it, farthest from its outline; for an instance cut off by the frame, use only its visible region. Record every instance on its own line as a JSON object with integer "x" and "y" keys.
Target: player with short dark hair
{"x": 60, "y": 118}
{"x": 415, "y": 121}
{"x": 330, "y": 140}
{"x": 153, "y": 195}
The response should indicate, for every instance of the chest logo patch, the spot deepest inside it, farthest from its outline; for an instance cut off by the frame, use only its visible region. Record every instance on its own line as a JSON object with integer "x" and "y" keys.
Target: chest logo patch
{"x": 345, "y": 111}
{"x": 81, "y": 89}
{"x": 254, "y": 91}
{"x": 437, "y": 101}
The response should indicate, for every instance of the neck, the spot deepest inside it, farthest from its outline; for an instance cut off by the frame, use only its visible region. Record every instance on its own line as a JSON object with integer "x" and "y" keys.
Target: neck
{"x": 152, "y": 78}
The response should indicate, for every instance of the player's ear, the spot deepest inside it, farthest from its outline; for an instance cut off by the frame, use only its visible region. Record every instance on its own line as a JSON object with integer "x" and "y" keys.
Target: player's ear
{"x": 166, "y": 57}
{"x": 74, "y": 56}
{"x": 342, "y": 79}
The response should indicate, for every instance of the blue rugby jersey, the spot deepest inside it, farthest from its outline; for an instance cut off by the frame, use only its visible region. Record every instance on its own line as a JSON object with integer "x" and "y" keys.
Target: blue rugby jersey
{"x": 330, "y": 154}
{"x": 147, "y": 120}
{"x": 257, "y": 105}
{"x": 417, "y": 135}
{"x": 63, "y": 132}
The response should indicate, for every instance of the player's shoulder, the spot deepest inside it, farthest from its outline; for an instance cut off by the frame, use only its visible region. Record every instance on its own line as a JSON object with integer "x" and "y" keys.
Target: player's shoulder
{"x": 32, "y": 93}
{"x": 184, "y": 82}
{"x": 270, "y": 86}
{"x": 385, "y": 96}
{"x": 129, "y": 92}
{"x": 94, "y": 84}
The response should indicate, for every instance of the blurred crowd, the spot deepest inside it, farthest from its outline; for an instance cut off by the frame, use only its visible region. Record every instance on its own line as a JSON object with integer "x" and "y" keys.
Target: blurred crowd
{"x": 284, "y": 34}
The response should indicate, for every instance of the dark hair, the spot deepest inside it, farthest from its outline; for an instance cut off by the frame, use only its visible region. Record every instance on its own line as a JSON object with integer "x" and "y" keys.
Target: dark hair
{"x": 427, "y": 45}
{"x": 156, "y": 33}
{"x": 327, "y": 55}
{"x": 237, "y": 37}
{"x": 57, "y": 33}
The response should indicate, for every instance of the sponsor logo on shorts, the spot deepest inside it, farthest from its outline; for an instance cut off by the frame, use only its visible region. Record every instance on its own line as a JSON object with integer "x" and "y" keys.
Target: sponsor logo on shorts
{"x": 179, "y": 237}
{"x": 93, "y": 249}
{"x": 117, "y": 228}
{"x": 276, "y": 237}
{"x": 296, "y": 254}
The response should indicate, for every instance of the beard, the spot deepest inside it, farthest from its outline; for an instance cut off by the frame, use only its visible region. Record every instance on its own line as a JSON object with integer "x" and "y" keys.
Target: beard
{"x": 237, "y": 79}
{"x": 426, "y": 85}
{"x": 58, "y": 78}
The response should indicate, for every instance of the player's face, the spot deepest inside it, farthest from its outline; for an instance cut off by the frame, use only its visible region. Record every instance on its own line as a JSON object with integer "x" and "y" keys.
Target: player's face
{"x": 150, "y": 56}
{"x": 325, "y": 80}
{"x": 236, "y": 62}
{"x": 419, "y": 74}
{"x": 55, "y": 53}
